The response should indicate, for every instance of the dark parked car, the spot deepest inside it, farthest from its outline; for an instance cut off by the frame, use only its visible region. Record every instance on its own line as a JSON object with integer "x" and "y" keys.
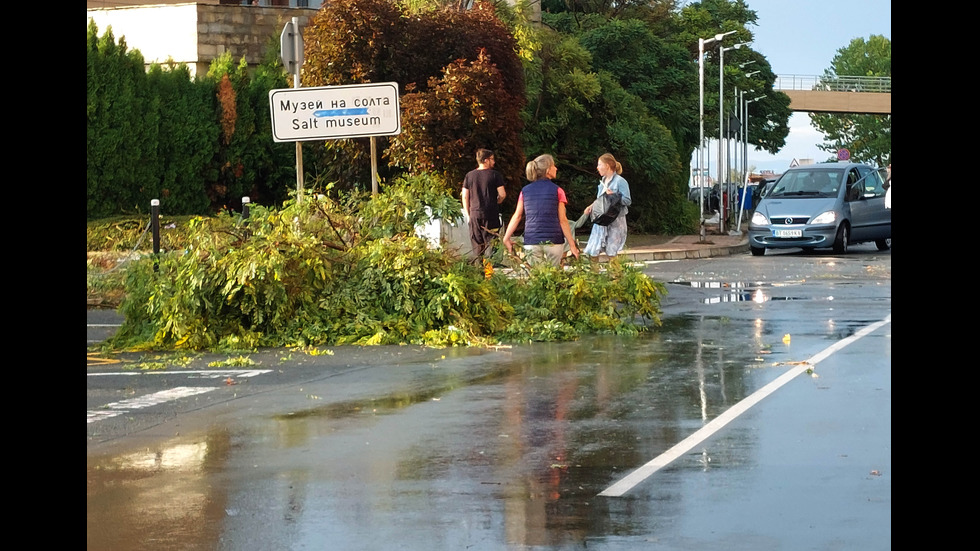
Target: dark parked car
{"x": 822, "y": 205}
{"x": 710, "y": 197}
{"x": 694, "y": 194}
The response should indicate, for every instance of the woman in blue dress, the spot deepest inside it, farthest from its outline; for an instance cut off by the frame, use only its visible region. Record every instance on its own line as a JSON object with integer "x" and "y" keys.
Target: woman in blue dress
{"x": 609, "y": 239}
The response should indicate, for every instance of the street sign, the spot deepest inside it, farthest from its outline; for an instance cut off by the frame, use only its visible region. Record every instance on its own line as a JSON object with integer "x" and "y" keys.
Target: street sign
{"x": 843, "y": 154}
{"x": 291, "y": 46}
{"x": 330, "y": 112}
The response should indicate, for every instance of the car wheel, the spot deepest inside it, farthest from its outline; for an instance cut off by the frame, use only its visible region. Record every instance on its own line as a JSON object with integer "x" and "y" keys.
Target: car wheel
{"x": 883, "y": 244}
{"x": 840, "y": 243}
{"x": 757, "y": 251}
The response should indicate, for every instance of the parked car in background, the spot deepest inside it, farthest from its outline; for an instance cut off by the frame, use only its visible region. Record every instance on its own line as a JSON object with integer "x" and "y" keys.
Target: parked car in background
{"x": 710, "y": 197}
{"x": 694, "y": 194}
{"x": 763, "y": 188}
{"x": 824, "y": 205}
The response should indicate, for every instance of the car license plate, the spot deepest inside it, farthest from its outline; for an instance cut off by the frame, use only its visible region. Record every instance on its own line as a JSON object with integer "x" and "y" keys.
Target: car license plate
{"x": 787, "y": 233}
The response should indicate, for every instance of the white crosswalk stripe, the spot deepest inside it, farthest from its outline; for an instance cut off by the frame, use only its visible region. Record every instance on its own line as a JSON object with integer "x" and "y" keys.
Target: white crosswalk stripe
{"x": 117, "y": 408}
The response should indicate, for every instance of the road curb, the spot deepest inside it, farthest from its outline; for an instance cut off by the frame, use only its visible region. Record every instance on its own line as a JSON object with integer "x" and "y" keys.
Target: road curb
{"x": 677, "y": 250}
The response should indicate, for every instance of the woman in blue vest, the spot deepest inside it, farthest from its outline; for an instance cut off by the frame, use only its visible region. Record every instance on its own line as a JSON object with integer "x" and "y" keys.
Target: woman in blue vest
{"x": 546, "y": 228}
{"x": 612, "y": 238}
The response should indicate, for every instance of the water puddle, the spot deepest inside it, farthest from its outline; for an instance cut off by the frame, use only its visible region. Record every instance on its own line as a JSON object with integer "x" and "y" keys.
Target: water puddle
{"x": 738, "y": 292}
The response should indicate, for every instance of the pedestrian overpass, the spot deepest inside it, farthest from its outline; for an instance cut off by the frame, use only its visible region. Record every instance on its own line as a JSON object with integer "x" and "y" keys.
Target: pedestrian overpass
{"x": 839, "y": 94}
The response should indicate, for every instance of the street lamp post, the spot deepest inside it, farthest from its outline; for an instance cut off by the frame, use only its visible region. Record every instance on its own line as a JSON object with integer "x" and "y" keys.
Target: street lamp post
{"x": 739, "y": 111}
{"x": 722, "y": 162}
{"x": 741, "y": 107}
{"x": 701, "y": 42}
{"x": 745, "y": 114}
{"x": 745, "y": 155}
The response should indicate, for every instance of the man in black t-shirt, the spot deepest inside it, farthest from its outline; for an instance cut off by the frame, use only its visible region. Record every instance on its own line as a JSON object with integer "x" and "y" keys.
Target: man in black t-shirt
{"x": 483, "y": 191}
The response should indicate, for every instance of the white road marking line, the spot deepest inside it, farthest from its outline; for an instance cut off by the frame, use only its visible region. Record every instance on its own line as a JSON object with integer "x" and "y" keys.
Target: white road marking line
{"x": 94, "y": 416}
{"x": 206, "y": 374}
{"x": 118, "y": 408}
{"x": 643, "y": 472}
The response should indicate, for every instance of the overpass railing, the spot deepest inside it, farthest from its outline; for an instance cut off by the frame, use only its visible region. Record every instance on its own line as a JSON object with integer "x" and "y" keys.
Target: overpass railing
{"x": 833, "y": 84}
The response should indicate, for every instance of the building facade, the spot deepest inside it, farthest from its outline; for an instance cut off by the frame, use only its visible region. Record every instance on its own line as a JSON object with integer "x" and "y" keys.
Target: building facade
{"x": 197, "y": 33}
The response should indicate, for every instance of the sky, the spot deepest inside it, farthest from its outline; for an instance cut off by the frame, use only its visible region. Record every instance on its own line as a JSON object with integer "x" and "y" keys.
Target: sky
{"x": 801, "y": 37}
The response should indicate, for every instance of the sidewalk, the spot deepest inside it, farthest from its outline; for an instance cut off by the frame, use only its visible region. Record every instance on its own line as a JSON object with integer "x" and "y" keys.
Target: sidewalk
{"x": 685, "y": 246}
{"x": 641, "y": 248}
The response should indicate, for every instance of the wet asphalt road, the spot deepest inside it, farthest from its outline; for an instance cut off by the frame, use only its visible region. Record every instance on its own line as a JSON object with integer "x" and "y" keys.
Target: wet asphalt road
{"x": 759, "y": 417}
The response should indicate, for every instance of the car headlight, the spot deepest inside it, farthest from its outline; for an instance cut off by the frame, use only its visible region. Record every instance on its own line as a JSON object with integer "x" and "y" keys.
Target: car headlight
{"x": 825, "y": 218}
{"x": 759, "y": 219}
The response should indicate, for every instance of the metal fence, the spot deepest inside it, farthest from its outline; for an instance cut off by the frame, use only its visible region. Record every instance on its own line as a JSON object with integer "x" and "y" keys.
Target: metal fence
{"x": 833, "y": 84}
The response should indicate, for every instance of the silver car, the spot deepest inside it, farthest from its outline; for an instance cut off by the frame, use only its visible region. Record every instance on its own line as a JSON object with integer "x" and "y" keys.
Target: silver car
{"x": 824, "y": 205}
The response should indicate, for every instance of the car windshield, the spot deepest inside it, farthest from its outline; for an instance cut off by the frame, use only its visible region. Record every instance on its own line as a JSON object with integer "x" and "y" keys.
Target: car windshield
{"x": 808, "y": 183}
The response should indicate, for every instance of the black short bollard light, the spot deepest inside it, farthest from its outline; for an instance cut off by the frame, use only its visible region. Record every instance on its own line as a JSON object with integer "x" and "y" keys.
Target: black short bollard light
{"x": 155, "y": 226}
{"x": 245, "y": 202}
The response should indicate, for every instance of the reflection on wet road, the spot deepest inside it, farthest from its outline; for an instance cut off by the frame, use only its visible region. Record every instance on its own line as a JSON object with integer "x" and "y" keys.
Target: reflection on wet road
{"x": 718, "y": 423}
{"x": 510, "y": 449}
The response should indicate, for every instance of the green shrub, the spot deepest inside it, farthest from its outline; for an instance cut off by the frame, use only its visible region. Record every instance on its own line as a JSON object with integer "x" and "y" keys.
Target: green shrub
{"x": 350, "y": 270}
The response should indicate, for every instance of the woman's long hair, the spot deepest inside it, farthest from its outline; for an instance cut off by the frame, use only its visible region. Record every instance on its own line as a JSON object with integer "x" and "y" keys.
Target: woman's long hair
{"x": 608, "y": 160}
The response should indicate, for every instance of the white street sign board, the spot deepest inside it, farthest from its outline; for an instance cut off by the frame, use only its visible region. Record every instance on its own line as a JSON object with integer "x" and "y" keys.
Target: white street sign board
{"x": 330, "y": 112}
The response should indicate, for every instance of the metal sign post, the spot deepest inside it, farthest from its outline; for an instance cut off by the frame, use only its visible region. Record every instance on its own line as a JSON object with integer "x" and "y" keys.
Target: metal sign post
{"x": 374, "y": 167}
{"x": 291, "y": 46}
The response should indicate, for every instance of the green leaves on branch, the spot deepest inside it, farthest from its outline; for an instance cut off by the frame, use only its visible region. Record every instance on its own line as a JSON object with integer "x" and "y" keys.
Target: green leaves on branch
{"x": 557, "y": 304}
{"x": 334, "y": 270}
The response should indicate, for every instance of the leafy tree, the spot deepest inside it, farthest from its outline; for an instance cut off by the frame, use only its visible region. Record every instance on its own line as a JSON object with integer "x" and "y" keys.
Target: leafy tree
{"x": 769, "y": 114}
{"x": 867, "y": 137}
{"x": 358, "y": 41}
{"x": 188, "y": 138}
{"x": 768, "y": 117}
{"x": 237, "y": 119}
{"x": 610, "y": 8}
{"x": 651, "y": 163}
{"x": 658, "y": 72}
{"x": 561, "y": 88}
{"x": 353, "y": 42}
{"x": 122, "y": 126}
{"x": 248, "y": 161}
{"x": 466, "y": 109}
{"x": 649, "y": 50}
{"x": 559, "y": 119}
{"x": 273, "y": 163}
{"x": 195, "y": 144}
{"x": 577, "y": 114}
